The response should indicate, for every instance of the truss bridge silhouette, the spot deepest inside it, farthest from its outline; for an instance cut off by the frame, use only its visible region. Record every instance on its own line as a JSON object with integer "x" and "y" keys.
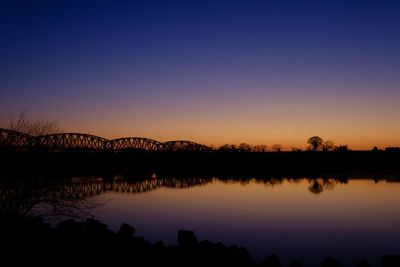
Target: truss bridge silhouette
{"x": 88, "y": 142}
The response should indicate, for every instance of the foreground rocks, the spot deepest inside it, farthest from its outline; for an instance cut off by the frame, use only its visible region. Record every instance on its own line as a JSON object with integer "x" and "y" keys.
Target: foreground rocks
{"x": 29, "y": 241}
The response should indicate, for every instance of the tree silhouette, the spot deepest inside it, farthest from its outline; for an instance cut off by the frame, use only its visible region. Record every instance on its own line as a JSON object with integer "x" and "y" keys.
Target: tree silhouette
{"x": 277, "y": 147}
{"x": 245, "y": 147}
{"x": 22, "y": 123}
{"x": 260, "y": 148}
{"x": 227, "y": 148}
{"x": 315, "y": 142}
{"x": 328, "y": 145}
{"x": 342, "y": 148}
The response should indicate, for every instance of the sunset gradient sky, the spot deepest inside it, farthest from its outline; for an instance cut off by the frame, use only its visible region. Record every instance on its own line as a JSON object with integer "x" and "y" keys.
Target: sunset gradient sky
{"x": 214, "y": 72}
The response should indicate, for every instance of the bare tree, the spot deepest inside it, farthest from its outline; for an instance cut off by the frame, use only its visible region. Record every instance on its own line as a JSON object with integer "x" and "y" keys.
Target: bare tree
{"x": 260, "y": 148}
{"x": 342, "y": 148}
{"x": 277, "y": 147}
{"x": 245, "y": 147}
{"x": 233, "y": 147}
{"x": 22, "y": 123}
{"x": 224, "y": 148}
{"x": 315, "y": 142}
{"x": 227, "y": 148}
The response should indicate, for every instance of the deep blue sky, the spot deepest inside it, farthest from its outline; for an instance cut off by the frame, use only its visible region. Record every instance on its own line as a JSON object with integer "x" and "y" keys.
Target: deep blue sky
{"x": 210, "y": 71}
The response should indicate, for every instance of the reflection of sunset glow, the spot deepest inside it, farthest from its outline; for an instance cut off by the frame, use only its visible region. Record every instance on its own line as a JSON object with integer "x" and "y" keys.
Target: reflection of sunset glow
{"x": 271, "y": 217}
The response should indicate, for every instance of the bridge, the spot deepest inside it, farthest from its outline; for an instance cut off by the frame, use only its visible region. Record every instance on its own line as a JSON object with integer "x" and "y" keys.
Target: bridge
{"x": 92, "y": 143}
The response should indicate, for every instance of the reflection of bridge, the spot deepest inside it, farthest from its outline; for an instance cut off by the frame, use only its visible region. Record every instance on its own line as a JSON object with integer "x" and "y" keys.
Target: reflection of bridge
{"x": 83, "y": 187}
{"x": 87, "y": 142}
{"x": 73, "y": 196}
{"x": 79, "y": 188}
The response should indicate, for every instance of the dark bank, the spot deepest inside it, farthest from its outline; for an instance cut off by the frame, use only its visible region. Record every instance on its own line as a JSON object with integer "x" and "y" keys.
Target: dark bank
{"x": 201, "y": 163}
{"x": 82, "y": 152}
{"x": 31, "y": 241}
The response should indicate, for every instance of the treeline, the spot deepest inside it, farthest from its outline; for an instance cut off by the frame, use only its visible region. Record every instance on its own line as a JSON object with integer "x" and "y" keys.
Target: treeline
{"x": 315, "y": 143}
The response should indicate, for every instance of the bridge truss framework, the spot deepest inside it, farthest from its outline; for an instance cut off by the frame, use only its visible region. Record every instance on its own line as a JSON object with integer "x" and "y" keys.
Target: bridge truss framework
{"x": 87, "y": 142}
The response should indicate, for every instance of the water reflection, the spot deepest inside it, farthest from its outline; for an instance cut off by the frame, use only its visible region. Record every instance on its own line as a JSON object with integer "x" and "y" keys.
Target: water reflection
{"x": 319, "y": 185}
{"x": 73, "y": 196}
{"x": 47, "y": 197}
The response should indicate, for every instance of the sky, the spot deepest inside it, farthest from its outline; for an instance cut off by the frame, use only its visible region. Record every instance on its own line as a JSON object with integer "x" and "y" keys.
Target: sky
{"x": 213, "y": 72}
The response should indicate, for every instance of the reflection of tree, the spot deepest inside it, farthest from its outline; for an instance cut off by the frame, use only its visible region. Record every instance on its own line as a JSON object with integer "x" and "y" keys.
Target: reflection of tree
{"x": 319, "y": 185}
{"x": 329, "y": 184}
{"x": 315, "y": 187}
{"x": 33, "y": 197}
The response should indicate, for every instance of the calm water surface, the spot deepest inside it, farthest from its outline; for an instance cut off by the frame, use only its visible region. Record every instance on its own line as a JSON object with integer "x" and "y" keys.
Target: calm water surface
{"x": 298, "y": 219}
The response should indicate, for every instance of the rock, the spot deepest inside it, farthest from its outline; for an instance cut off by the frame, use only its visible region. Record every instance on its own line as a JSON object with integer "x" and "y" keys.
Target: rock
{"x": 220, "y": 245}
{"x": 205, "y": 243}
{"x": 126, "y": 230}
{"x": 331, "y": 262}
{"x": 244, "y": 257}
{"x": 271, "y": 261}
{"x": 296, "y": 264}
{"x": 233, "y": 248}
{"x": 159, "y": 245}
{"x": 390, "y": 261}
{"x": 95, "y": 225}
{"x": 70, "y": 224}
{"x": 187, "y": 238}
{"x": 363, "y": 263}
